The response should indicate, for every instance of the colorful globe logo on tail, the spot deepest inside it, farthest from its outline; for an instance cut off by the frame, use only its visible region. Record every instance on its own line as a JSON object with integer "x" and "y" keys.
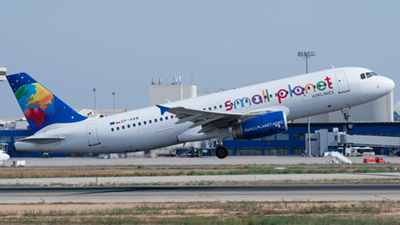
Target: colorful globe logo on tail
{"x": 36, "y": 102}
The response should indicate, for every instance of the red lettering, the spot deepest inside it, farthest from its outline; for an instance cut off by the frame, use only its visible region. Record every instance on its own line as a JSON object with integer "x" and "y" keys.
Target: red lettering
{"x": 281, "y": 96}
{"x": 229, "y": 105}
{"x": 328, "y": 81}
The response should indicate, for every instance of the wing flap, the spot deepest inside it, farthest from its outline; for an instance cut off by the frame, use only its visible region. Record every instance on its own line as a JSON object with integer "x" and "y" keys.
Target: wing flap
{"x": 206, "y": 121}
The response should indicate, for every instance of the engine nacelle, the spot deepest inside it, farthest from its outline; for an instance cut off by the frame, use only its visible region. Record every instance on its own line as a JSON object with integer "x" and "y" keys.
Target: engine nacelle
{"x": 261, "y": 126}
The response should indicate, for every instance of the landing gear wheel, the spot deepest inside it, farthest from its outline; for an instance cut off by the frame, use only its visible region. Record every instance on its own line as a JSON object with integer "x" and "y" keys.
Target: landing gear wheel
{"x": 221, "y": 152}
{"x": 350, "y": 126}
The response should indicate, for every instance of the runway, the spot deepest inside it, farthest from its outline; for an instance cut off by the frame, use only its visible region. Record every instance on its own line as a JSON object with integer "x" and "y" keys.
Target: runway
{"x": 139, "y": 180}
{"x": 199, "y": 193}
{"x": 147, "y": 192}
{"x": 200, "y": 161}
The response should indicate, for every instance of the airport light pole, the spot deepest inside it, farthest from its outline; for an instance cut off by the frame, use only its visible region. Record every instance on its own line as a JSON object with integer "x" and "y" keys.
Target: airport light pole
{"x": 307, "y": 55}
{"x": 113, "y": 99}
{"x": 94, "y": 91}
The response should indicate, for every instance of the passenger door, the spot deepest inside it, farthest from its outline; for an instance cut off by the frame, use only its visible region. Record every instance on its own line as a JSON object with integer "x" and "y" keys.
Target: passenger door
{"x": 343, "y": 85}
{"x": 91, "y": 131}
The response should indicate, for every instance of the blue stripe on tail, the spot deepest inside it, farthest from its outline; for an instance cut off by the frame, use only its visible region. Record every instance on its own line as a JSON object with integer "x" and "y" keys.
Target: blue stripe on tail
{"x": 40, "y": 107}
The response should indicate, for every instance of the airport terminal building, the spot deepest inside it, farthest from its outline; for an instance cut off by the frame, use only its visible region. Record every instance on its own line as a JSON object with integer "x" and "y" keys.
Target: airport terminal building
{"x": 374, "y": 119}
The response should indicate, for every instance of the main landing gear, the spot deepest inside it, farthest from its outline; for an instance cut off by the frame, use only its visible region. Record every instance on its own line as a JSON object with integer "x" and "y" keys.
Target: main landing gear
{"x": 346, "y": 116}
{"x": 221, "y": 152}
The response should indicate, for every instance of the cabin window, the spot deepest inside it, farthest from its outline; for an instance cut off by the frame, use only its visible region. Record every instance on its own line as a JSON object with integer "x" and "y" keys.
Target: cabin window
{"x": 133, "y": 125}
{"x": 166, "y": 118}
{"x": 155, "y": 120}
{"x": 139, "y": 124}
{"x": 129, "y": 126}
{"x": 112, "y": 129}
{"x": 149, "y": 121}
{"x": 144, "y": 122}
{"x": 172, "y": 117}
{"x": 117, "y": 128}
{"x": 160, "y": 118}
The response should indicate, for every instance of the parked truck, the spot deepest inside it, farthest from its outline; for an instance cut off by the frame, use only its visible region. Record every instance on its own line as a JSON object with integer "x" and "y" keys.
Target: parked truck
{"x": 359, "y": 151}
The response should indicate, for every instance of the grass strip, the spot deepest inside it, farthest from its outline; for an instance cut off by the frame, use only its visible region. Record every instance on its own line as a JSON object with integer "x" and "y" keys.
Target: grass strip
{"x": 383, "y": 212}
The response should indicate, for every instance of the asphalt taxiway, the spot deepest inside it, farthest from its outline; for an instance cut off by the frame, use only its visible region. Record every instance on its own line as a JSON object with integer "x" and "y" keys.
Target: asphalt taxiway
{"x": 160, "y": 180}
{"x": 174, "y": 161}
{"x": 200, "y": 193}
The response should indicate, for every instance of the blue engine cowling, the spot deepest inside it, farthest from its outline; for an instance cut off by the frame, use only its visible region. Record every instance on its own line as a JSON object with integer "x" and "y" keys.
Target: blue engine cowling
{"x": 261, "y": 126}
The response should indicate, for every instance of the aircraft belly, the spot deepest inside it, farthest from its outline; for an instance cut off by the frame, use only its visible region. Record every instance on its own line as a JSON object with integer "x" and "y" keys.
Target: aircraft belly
{"x": 159, "y": 137}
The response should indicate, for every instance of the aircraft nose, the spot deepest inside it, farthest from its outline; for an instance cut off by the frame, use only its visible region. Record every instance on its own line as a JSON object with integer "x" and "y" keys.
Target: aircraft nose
{"x": 387, "y": 84}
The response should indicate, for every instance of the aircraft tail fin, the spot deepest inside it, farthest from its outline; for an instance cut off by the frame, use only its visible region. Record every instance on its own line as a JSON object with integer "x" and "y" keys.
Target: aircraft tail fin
{"x": 40, "y": 107}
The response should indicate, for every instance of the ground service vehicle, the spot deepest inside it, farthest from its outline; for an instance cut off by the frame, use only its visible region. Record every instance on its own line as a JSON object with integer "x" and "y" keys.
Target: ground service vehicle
{"x": 374, "y": 160}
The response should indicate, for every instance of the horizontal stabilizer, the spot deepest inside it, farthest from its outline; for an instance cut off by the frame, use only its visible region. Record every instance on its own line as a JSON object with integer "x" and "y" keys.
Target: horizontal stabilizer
{"x": 42, "y": 140}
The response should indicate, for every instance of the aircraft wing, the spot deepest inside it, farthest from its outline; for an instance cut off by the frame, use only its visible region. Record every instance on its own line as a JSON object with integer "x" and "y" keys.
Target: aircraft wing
{"x": 210, "y": 120}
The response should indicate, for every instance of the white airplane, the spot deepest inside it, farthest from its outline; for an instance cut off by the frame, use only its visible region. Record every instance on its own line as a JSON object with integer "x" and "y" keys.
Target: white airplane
{"x": 246, "y": 113}
{"x": 3, "y": 157}
{"x": 3, "y": 154}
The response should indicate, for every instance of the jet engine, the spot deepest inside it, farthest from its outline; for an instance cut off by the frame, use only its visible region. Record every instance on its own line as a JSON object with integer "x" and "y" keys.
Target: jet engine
{"x": 261, "y": 126}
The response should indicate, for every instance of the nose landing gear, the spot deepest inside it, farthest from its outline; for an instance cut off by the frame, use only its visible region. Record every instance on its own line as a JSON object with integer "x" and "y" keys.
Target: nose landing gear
{"x": 346, "y": 116}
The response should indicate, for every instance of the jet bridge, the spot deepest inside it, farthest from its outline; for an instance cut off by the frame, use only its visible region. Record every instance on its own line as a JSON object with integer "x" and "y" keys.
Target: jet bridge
{"x": 323, "y": 141}
{"x": 366, "y": 140}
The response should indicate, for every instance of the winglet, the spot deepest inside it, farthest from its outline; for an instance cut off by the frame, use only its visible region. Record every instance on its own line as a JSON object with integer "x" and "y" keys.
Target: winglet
{"x": 163, "y": 109}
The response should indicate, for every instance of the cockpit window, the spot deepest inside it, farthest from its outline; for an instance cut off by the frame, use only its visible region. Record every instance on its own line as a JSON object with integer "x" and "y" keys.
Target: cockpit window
{"x": 368, "y": 75}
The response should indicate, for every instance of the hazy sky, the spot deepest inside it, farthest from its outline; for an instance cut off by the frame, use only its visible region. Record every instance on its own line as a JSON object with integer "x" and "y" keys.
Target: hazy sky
{"x": 71, "y": 47}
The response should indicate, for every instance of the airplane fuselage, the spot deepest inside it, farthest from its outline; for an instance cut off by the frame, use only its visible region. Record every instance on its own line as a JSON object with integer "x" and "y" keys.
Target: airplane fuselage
{"x": 146, "y": 129}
